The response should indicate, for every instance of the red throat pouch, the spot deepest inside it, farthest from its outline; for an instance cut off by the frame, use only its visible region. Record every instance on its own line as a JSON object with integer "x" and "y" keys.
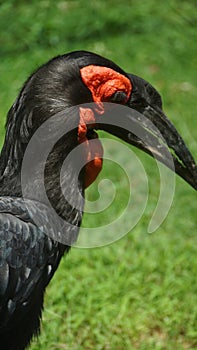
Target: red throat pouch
{"x": 93, "y": 149}
{"x": 103, "y": 82}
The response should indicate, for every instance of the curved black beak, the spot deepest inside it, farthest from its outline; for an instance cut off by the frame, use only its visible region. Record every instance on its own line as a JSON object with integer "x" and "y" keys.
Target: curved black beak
{"x": 147, "y": 127}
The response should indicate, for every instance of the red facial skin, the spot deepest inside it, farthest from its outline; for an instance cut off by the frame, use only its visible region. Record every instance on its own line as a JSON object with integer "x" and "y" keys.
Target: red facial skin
{"x": 102, "y": 82}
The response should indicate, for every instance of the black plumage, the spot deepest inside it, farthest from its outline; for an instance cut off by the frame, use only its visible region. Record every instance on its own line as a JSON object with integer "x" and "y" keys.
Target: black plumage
{"x": 29, "y": 257}
{"x": 30, "y": 253}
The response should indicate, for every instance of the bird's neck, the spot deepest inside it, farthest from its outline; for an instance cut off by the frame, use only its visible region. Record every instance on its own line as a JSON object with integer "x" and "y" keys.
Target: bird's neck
{"x": 31, "y": 182}
{"x": 10, "y": 163}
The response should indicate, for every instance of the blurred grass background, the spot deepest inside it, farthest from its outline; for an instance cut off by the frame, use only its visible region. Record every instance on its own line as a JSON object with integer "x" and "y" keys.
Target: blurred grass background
{"x": 140, "y": 292}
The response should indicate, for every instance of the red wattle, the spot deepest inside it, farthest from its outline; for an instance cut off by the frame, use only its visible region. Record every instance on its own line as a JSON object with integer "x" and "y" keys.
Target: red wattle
{"x": 93, "y": 149}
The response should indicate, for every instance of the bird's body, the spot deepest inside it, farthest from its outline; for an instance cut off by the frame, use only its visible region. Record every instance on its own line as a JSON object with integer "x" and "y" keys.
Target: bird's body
{"x": 30, "y": 253}
{"x": 29, "y": 259}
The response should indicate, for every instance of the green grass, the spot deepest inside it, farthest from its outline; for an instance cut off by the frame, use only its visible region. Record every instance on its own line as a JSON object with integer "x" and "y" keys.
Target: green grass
{"x": 139, "y": 293}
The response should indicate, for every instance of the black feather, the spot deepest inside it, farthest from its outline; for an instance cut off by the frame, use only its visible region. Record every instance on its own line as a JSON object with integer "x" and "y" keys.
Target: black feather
{"x": 32, "y": 241}
{"x": 31, "y": 251}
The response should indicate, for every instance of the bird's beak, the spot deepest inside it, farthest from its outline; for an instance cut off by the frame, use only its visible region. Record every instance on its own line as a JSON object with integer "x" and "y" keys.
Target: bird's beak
{"x": 147, "y": 128}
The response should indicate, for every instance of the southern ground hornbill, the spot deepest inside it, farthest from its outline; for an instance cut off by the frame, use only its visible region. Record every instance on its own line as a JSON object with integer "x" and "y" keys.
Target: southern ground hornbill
{"x": 78, "y": 91}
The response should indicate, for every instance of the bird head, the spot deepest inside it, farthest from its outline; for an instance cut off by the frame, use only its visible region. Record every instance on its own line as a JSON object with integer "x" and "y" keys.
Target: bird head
{"x": 91, "y": 91}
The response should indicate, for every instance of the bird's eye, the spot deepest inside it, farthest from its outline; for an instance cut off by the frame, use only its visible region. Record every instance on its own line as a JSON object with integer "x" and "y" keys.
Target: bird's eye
{"x": 119, "y": 97}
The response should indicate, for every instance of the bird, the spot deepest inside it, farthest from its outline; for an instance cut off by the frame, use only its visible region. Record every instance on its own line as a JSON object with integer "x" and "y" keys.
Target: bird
{"x": 76, "y": 93}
